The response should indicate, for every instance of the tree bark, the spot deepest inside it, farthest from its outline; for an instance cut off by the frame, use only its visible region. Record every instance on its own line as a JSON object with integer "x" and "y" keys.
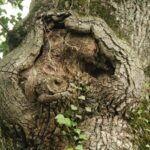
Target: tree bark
{"x": 71, "y": 46}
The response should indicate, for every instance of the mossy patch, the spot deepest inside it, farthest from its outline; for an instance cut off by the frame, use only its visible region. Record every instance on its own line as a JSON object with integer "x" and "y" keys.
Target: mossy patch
{"x": 107, "y": 12}
{"x": 140, "y": 122}
{"x": 97, "y": 9}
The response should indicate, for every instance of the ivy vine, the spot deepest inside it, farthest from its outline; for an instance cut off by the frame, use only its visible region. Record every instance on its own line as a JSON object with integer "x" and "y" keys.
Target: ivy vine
{"x": 69, "y": 121}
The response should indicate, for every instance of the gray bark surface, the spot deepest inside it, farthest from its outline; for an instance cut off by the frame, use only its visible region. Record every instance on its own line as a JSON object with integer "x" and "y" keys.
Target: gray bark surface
{"x": 62, "y": 48}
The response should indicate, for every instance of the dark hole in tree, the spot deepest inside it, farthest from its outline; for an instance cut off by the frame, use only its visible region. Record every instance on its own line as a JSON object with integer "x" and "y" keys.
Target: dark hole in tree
{"x": 92, "y": 70}
{"x": 95, "y": 70}
{"x": 59, "y": 25}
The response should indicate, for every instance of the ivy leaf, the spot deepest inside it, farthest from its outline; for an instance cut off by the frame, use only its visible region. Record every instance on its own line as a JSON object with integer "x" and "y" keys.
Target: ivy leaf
{"x": 74, "y": 124}
{"x": 3, "y": 11}
{"x": 148, "y": 130}
{"x": 75, "y": 138}
{"x": 147, "y": 146}
{"x": 79, "y": 116}
{"x": 82, "y": 97}
{"x": 20, "y": 6}
{"x": 63, "y": 121}
{"x": 88, "y": 109}
{"x": 67, "y": 122}
{"x": 73, "y": 107}
{"x": 82, "y": 137}
{"x": 4, "y": 21}
{"x": 140, "y": 111}
{"x": 60, "y": 118}
{"x": 78, "y": 131}
{"x": 145, "y": 120}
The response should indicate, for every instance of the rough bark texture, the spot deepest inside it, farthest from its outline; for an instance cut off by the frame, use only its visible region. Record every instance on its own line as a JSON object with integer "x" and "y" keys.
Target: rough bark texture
{"x": 74, "y": 47}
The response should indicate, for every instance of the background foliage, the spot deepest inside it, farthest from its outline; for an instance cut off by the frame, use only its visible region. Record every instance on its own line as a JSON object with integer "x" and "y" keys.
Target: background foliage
{"x": 7, "y": 21}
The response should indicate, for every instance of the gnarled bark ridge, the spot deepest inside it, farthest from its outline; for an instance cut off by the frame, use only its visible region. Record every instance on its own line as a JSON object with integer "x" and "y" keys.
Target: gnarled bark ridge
{"x": 61, "y": 50}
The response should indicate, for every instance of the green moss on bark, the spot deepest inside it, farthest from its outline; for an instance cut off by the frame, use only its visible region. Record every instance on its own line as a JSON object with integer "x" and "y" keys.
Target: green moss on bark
{"x": 140, "y": 121}
{"x": 95, "y": 8}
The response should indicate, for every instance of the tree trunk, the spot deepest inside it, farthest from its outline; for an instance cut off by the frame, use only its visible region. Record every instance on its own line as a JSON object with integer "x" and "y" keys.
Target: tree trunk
{"x": 87, "y": 53}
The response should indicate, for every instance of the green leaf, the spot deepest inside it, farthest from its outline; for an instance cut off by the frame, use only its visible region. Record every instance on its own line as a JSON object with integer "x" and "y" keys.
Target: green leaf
{"x": 73, "y": 107}
{"x": 20, "y": 7}
{"x": 82, "y": 137}
{"x": 19, "y": 16}
{"x": 140, "y": 111}
{"x": 79, "y": 147}
{"x": 68, "y": 122}
{"x": 78, "y": 131}
{"x": 88, "y": 109}
{"x": 147, "y": 146}
{"x": 63, "y": 121}
{"x": 79, "y": 116}
{"x": 144, "y": 119}
{"x": 3, "y": 11}
{"x": 148, "y": 130}
{"x": 75, "y": 138}
{"x": 60, "y": 118}
{"x": 82, "y": 97}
